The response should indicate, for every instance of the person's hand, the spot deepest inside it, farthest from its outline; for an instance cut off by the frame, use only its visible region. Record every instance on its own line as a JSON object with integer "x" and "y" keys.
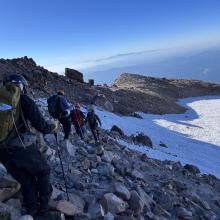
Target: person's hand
{"x": 54, "y": 127}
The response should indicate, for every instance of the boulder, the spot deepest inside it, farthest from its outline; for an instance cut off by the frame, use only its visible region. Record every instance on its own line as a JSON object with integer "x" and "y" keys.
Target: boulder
{"x": 8, "y": 188}
{"x": 95, "y": 210}
{"x": 74, "y": 75}
{"x": 121, "y": 191}
{"x": 192, "y": 169}
{"x": 136, "y": 203}
{"x": 66, "y": 207}
{"x": 112, "y": 203}
{"x": 108, "y": 106}
{"x": 142, "y": 139}
{"x": 115, "y": 128}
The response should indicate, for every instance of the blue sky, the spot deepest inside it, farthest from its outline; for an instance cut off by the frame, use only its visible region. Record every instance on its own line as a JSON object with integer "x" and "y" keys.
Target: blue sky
{"x": 77, "y": 33}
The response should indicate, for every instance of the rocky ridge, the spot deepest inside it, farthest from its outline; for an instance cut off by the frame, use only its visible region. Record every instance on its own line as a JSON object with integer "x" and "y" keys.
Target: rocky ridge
{"x": 128, "y": 94}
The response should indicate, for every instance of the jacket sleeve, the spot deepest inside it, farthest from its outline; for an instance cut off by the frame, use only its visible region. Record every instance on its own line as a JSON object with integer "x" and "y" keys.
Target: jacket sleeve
{"x": 64, "y": 104}
{"x": 98, "y": 120}
{"x": 33, "y": 114}
{"x": 82, "y": 115}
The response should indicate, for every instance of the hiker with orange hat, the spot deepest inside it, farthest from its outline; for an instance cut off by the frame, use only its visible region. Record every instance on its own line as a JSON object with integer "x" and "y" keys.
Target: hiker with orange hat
{"x": 78, "y": 120}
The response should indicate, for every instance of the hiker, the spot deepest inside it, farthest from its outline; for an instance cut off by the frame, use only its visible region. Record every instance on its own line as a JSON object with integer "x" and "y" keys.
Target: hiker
{"x": 78, "y": 120}
{"x": 59, "y": 108}
{"x": 93, "y": 120}
{"x": 19, "y": 152}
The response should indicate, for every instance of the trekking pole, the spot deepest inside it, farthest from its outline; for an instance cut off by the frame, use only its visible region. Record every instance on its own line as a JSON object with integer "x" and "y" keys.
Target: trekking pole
{"x": 61, "y": 164}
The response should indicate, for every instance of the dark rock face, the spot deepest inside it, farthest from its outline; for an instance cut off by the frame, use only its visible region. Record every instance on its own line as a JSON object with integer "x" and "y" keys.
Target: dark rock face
{"x": 74, "y": 75}
{"x": 192, "y": 169}
{"x": 142, "y": 139}
{"x": 115, "y": 128}
{"x": 128, "y": 94}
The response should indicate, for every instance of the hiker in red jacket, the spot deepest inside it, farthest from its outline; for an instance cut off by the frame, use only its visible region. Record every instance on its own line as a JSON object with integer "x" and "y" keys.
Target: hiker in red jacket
{"x": 78, "y": 120}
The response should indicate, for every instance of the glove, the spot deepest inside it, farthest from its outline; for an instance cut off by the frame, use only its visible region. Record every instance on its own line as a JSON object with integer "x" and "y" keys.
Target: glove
{"x": 54, "y": 127}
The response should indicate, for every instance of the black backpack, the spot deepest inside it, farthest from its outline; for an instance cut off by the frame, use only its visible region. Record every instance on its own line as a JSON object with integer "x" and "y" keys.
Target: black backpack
{"x": 54, "y": 106}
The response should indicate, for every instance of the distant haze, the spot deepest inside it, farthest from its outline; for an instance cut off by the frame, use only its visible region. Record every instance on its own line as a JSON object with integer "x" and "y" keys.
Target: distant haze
{"x": 200, "y": 64}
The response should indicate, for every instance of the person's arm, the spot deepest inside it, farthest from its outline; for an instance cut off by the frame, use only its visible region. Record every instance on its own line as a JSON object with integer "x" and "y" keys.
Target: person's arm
{"x": 64, "y": 106}
{"x": 82, "y": 115}
{"x": 33, "y": 114}
{"x": 98, "y": 120}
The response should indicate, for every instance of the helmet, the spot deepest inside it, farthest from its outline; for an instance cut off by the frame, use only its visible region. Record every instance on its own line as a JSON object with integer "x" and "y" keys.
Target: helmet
{"x": 16, "y": 79}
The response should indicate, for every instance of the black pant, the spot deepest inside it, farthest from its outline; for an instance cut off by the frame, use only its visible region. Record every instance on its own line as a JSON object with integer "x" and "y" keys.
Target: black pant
{"x": 79, "y": 131}
{"x": 95, "y": 132}
{"x": 65, "y": 121}
{"x": 31, "y": 170}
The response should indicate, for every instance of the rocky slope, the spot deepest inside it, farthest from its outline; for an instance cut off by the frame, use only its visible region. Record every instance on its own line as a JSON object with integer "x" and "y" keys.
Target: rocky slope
{"x": 129, "y": 93}
{"x": 108, "y": 181}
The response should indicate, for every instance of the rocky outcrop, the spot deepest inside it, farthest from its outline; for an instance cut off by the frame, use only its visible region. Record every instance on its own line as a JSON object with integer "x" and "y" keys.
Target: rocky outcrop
{"x": 74, "y": 75}
{"x": 128, "y": 94}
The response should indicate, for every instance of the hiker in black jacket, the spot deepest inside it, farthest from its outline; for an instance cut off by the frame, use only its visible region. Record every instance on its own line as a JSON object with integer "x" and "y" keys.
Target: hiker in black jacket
{"x": 23, "y": 159}
{"x": 93, "y": 121}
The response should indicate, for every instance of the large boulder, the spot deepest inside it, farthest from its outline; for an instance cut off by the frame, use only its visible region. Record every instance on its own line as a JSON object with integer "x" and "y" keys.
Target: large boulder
{"x": 112, "y": 203}
{"x": 116, "y": 129}
{"x": 142, "y": 139}
{"x": 74, "y": 75}
{"x": 8, "y": 187}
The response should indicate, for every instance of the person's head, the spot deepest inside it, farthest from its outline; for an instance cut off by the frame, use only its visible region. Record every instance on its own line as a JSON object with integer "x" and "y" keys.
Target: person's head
{"x": 17, "y": 80}
{"x": 60, "y": 92}
{"x": 77, "y": 106}
{"x": 90, "y": 108}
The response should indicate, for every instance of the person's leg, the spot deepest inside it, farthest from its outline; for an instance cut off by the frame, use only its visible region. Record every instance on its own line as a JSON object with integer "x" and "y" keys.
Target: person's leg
{"x": 78, "y": 131}
{"x": 36, "y": 166}
{"x": 97, "y": 131}
{"x": 66, "y": 126}
{"x": 94, "y": 134}
{"x": 13, "y": 161}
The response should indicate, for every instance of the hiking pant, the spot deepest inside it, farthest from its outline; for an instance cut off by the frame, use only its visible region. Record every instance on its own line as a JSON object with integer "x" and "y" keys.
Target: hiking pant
{"x": 95, "y": 133}
{"x": 31, "y": 170}
{"x": 65, "y": 121}
{"x": 80, "y": 131}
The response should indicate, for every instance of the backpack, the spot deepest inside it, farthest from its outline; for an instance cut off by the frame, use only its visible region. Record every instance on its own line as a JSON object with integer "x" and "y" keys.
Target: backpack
{"x": 54, "y": 106}
{"x": 9, "y": 110}
{"x": 77, "y": 119}
{"x": 92, "y": 119}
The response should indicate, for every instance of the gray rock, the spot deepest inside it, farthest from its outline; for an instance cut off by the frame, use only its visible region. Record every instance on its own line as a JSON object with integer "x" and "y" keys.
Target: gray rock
{"x": 95, "y": 210}
{"x": 108, "y": 106}
{"x": 192, "y": 169}
{"x": 109, "y": 216}
{"x": 86, "y": 164}
{"x": 112, "y": 203}
{"x": 136, "y": 203}
{"x": 137, "y": 175}
{"x": 26, "y": 217}
{"x": 105, "y": 169}
{"x": 116, "y": 129}
{"x": 99, "y": 150}
{"x": 182, "y": 213}
{"x": 121, "y": 191}
{"x": 74, "y": 75}
{"x": 142, "y": 139}
{"x": 8, "y": 188}
{"x": 148, "y": 201}
{"x": 14, "y": 206}
{"x": 3, "y": 170}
